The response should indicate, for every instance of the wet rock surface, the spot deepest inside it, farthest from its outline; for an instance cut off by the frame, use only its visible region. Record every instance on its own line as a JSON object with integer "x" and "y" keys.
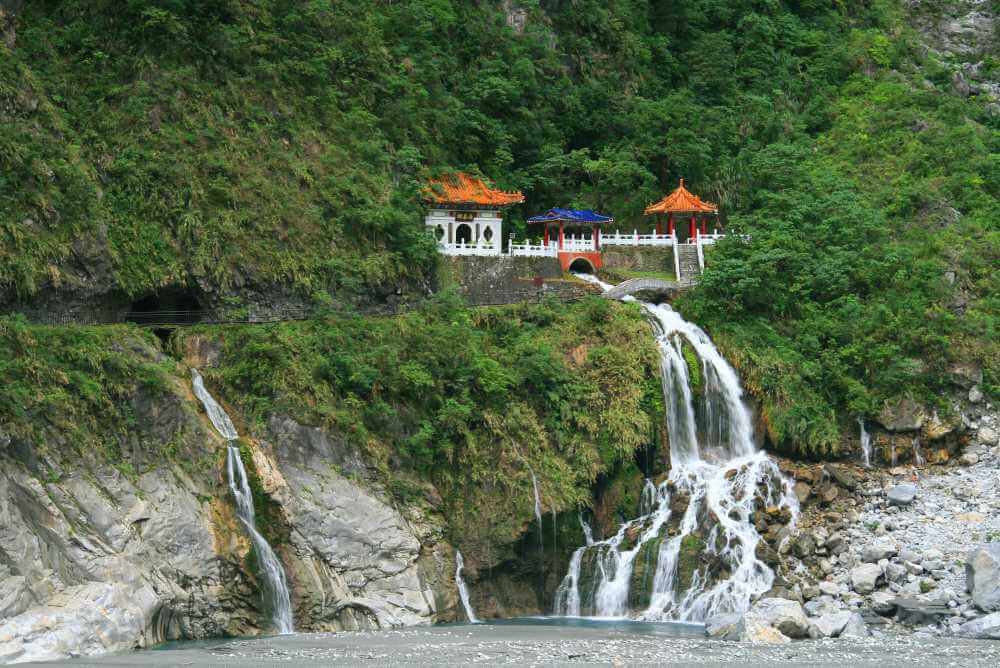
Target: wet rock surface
{"x": 97, "y": 559}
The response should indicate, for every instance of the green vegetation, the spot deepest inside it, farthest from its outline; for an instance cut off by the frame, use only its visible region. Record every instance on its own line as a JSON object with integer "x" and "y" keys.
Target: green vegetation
{"x": 74, "y": 390}
{"x": 235, "y": 144}
{"x": 467, "y": 400}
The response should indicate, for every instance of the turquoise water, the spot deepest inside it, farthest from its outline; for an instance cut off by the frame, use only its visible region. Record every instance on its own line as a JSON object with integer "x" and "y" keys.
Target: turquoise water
{"x": 667, "y": 629}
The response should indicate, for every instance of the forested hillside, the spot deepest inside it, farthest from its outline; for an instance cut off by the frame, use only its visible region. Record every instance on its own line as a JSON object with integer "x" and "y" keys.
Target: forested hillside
{"x": 239, "y": 147}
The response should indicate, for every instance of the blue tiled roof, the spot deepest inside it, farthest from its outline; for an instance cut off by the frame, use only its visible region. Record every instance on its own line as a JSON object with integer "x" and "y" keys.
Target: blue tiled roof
{"x": 571, "y": 216}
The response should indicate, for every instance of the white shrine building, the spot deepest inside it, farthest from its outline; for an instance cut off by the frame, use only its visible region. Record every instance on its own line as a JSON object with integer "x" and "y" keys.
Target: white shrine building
{"x": 465, "y": 215}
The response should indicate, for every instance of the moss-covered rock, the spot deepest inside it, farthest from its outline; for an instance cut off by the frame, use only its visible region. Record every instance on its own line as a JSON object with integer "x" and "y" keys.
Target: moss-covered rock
{"x": 689, "y": 558}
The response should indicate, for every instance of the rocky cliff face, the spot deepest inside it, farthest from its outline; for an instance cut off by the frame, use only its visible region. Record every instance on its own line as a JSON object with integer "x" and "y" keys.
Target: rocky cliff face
{"x": 97, "y": 557}
{"x": 963, "y": 34}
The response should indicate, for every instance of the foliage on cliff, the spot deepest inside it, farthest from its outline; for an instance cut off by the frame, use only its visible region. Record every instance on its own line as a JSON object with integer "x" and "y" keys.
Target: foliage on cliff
{"x": 240, "y": 144}
{"x": 70, "y": 391}
{"x": 471, "y": 400}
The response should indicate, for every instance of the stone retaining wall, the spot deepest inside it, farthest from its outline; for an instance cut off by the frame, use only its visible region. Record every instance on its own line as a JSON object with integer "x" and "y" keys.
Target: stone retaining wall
{"x": 639, "y": 258}
{"x": 508, "y": 280}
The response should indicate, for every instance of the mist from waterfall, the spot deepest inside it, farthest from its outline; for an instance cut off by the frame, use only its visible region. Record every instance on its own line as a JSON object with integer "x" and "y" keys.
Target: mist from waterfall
{"x": 717, "y": 468}
{"x": 463, "y": 589}
{"x": 275, "y": 592}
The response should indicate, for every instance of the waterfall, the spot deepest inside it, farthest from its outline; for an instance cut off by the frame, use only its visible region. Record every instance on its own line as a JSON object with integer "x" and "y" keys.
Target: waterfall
{"x": 866, "y": 443}
{"x": 276, "y": 594}
{"x": 588, "y": 533}
{"x": 918, "y": 457}
{"x": 648, "y": 498}
{"x": 717, "y": 469}
{"x": 463, "y": 590}
{"x": 538, "y": 508}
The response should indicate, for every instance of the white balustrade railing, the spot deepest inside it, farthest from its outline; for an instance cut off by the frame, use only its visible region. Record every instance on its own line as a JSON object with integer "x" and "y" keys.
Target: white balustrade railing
{"x": 529, "y": 250}
{"x": 581, "y": 243}
{"x": 461, "y": 248}
{"x": 635, "y": 239}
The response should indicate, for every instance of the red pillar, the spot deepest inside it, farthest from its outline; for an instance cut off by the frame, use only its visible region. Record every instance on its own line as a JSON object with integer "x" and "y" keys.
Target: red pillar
{"x": 546, "y": 236}
{"x": 692, "y": 230}
{"x": 659, "y": 224}
{"x": 704, "y": 226}
{"x": 597, "y": 237}
{"x": 560, "y": 235}
{"x": 670, "y": 224}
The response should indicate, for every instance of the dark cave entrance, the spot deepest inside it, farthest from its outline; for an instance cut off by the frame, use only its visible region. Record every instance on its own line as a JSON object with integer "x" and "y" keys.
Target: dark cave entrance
{"x": 165, "y": 307}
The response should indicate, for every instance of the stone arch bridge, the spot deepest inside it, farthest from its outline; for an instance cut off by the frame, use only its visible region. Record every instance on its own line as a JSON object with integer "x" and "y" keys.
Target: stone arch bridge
{"x": 655, "y": 288}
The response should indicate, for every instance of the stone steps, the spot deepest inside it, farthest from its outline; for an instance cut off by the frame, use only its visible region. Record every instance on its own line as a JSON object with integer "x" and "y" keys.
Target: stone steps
{"x": 687, "y": 258}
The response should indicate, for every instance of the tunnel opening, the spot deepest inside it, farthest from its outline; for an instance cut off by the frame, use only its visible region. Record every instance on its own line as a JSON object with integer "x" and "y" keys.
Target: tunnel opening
{"x": 168, "y": 306}
{"x": 581, "y": 265}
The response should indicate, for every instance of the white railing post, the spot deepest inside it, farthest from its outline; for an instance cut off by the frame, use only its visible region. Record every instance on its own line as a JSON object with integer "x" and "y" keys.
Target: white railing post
{"x": 677, "y": 260}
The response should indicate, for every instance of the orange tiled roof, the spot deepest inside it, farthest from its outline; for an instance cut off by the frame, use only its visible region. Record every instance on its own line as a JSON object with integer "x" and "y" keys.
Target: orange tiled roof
{"x": 682, "y": 201}
{"x": 461, "y": 188}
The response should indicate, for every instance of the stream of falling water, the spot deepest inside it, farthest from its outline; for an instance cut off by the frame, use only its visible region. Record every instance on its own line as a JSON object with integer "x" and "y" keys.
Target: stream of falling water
{"x": 538, "y": 509}
{"x": 276, "y": 594}
{"x": 716, "y": 466}
{"x": 866, "y": 443}
{"x": 463, "y": 589}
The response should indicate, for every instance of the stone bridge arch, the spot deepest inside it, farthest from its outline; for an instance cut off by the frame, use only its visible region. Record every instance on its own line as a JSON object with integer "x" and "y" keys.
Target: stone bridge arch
{"x": 653, "y": 289}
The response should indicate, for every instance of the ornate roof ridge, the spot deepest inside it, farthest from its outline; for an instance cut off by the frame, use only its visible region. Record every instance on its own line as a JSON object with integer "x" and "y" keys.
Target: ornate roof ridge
{"x": 682, "y": 200}
{"x": 461, "y": 188}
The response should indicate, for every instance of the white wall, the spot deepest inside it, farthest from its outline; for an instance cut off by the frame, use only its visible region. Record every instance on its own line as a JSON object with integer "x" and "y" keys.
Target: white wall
{"x": 483, "y": 221}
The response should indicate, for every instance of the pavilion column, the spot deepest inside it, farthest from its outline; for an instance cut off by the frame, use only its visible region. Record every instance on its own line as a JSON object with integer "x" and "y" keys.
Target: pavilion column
{"x": 597, "y": 237}
{"x": 561, "y": 235}
{"x": 670, "y": 224}
{"x": 545, "y": 236}
{"x": 659, "y": 224}
{"x": 704, "y": 226}
{"x": 692, "y": 230}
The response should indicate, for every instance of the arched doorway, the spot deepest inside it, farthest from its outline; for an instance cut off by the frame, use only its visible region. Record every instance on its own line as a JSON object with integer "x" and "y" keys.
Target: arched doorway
{"x": 463, "y": 234}
{"x": 581, "y": 265}
{"x": 439, "y": 233}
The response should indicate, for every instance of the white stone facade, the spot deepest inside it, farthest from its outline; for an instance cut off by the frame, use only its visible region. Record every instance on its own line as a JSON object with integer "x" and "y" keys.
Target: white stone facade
{"x": 466, "y": 232}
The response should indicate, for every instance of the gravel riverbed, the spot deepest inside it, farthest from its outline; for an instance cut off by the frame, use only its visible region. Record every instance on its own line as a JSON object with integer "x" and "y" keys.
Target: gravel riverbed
{"x": 541, "y": 644}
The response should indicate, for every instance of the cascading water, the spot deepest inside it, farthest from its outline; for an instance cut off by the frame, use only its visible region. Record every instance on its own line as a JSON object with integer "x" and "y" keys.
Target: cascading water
{"x": 276, "y": 592}
{"x": 463, "y": 590}
{"x": 538, "y": 509}
{"x": 918, "y": 457}
{"x": 866, "y": 443}
{"x": 721, "y": 474}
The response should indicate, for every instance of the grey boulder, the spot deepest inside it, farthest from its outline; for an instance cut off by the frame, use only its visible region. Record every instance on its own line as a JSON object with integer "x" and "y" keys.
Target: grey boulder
{"x": 864, "y": 578}
{"x": 982, "y": 576}
{"x": 918, "y": 612}
{"x": 986, "y": 628}
{"x": 725, "y": 627}
{"x": 786, "y": 616}
{"x": 830, "y": 626}
{"x": 855, "y": 627}
{"x": 902, "y": 495}
{"x": 883, "y": 547}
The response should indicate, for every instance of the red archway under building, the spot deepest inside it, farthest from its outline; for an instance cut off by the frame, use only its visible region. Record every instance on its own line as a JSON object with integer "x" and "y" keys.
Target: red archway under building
{"x": 567, "y": 258}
